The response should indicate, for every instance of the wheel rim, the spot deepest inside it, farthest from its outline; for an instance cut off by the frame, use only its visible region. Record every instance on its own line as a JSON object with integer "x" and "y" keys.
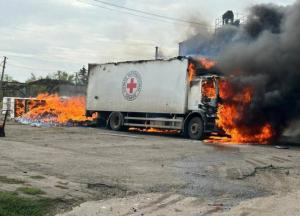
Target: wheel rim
{"x": 195, "y": 128}
{"x": 116, "y": 121}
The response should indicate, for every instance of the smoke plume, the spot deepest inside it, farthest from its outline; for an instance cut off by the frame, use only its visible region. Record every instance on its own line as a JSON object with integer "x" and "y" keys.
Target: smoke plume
{"x": 265, "y": 54}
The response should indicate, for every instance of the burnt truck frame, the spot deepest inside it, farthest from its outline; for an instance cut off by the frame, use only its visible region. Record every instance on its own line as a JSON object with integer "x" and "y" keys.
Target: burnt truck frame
{"x": 153, "y": 94}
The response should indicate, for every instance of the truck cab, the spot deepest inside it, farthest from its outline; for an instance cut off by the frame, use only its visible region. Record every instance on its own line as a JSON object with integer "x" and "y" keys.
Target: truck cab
{"x": 203, "y": 99}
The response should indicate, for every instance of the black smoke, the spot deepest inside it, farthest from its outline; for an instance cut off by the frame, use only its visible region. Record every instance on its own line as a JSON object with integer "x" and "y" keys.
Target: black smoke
{"x": 266, "y": 56}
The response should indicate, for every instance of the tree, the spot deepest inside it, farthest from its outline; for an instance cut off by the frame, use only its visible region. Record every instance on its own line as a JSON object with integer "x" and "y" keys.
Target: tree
{"x": 59, "y": 75}
{"x": 7, "y": 78}
{"x": 82, "y": 76}
{"x": 32, "y": 78}
{"x": 62, "y": 75}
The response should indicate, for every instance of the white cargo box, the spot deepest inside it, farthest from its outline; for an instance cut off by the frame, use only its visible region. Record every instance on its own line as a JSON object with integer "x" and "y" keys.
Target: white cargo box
{"x": 158, "y": 86}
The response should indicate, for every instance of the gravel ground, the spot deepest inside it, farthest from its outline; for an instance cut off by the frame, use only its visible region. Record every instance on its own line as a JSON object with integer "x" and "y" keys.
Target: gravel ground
{"x": 141, "y": 174}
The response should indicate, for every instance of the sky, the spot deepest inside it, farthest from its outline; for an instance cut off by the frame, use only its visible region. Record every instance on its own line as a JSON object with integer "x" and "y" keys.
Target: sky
{"x": 43, "y": 36}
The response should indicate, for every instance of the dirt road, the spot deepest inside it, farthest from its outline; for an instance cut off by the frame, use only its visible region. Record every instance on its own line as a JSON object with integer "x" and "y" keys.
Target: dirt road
{"x": 140, "y": 174}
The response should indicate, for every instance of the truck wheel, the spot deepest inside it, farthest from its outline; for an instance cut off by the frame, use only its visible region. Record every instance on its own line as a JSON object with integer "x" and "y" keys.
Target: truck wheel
{"x": 116, "y": 121}
{"x": 195, "y": 128}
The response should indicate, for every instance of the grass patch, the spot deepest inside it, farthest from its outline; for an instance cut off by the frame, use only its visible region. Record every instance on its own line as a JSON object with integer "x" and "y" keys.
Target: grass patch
{"x": 13, "y": 205}
{"x": 37, "y": 177}
{"x": 4, "y": 179}
{"x": 31, "y": 190}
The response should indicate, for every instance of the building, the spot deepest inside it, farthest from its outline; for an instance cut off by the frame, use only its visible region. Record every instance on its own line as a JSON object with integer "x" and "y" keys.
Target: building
{"x": 210, "y": 44}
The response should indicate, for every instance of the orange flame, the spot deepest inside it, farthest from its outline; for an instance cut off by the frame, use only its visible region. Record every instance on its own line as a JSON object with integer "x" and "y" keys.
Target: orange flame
{"x": 154, "y": 130}
{"x": 19, "y": 107}
{"x": 191, "y": 71}
{"x": 232, "y": 113}
{"x": 204, "y": 62}
{"x": 54, "y": 109}
{"x": 208, "y": 89}
{"x": 207, "y": 63}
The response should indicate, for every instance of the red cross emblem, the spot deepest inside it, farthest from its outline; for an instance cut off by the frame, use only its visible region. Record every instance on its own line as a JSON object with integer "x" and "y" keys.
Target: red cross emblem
{"x": 131, "y": 85}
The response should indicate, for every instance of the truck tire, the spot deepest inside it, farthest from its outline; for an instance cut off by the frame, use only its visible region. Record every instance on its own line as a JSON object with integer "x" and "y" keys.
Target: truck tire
{"x": 116, "y": 121}
{"x": 195, "y": 128}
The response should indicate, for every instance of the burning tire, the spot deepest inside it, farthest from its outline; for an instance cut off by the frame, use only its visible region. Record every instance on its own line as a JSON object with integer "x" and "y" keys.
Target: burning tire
{"x": 195, "y": 128}
{"x": 116, "y": 121}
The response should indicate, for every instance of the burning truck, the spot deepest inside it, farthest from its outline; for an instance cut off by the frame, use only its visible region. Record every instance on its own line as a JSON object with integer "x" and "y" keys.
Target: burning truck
{"x": 186, "y": 95}
{"x": 256, "y": 103}
{"x": 176, "y": 94}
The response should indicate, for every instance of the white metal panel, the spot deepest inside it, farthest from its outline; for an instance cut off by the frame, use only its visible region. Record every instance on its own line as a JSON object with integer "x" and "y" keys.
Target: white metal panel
{"x": 162, "y": 87}
{"x": 9, "y": 105}
{"x": 194, "y": 95}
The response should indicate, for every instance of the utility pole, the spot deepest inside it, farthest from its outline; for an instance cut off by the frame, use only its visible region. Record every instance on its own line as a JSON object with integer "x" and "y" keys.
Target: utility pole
{"x": 2, "y": 76}
{"x": 156, "y": 53}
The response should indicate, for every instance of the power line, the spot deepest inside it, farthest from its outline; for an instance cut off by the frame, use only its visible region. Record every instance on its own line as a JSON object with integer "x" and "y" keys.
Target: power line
{"x": 35, "y": 57}
{"x": 124, "y": 12}
{"x": 151, "y": 14}
{"x": 153, "y": 18}
{"x": 111, "y": 40}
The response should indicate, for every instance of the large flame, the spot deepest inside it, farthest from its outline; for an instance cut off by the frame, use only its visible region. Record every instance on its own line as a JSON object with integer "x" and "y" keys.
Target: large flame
{"x": 56, "y": 110}
{"x": 209, "y": 89}
{"x": 232, "y": 114}
{"x": 205, "y": 63}
{"x": 19, "y": 107}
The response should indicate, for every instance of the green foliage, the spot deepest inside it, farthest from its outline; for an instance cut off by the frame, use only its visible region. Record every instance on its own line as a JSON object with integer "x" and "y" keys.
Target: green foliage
{"x": 32, "y": 78}
{"x": 79, "y": 78}
{"x": 82, "y": 76}
{"x": 31, "y": 190}
{"x": 62, "y": 75}
{"x": 13, "y": 205}
{"x": 7, "y": 78}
